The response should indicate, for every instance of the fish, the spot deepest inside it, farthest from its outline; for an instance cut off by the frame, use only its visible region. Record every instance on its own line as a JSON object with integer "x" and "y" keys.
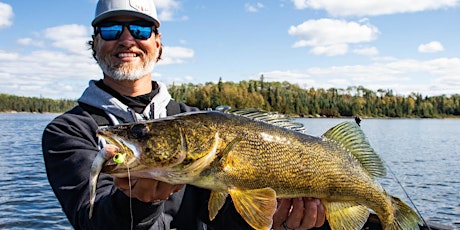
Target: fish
{"x": 255, "y": 162}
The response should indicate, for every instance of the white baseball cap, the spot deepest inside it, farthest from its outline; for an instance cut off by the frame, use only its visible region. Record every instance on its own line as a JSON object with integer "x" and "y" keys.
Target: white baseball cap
{"x": 144, "y": 9}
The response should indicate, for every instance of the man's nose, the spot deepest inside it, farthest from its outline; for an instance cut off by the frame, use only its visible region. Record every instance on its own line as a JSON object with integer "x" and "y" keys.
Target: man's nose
{"x": 126, "y": 35}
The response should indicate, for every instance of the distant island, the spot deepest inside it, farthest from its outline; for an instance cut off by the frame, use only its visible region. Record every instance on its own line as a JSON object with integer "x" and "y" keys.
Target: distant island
{"x": 282, "y": 97}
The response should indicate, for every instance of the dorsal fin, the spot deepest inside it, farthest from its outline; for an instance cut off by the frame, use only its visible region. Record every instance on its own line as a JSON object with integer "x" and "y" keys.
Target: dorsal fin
{"x": 350, "y": 136}
{"x": 273, "y": 118}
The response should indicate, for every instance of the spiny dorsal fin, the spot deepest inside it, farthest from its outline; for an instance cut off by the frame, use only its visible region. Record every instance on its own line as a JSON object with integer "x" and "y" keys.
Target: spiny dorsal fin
{"x": 273, "y": 118}
{"x": 352, "y": 138}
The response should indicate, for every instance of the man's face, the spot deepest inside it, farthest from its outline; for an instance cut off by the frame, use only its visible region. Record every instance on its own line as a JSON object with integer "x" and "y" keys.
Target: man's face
{"x": 127, "y": 58}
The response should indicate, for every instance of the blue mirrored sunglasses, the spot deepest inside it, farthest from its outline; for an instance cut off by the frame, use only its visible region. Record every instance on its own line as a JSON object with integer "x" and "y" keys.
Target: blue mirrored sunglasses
{"x": 112, "y": 30}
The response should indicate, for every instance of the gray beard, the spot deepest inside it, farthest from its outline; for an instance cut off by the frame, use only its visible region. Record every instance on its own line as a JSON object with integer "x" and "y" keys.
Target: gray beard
{"x": 123, "y": 73}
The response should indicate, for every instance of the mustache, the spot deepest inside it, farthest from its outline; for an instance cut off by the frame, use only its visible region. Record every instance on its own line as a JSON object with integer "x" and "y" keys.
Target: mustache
{"x": 137, "y": 51}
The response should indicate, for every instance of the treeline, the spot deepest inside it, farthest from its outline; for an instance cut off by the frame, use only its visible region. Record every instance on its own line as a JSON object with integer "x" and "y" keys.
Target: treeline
{"x": 282, "y": 97}
{"x": 11, "y": 103}
{"x": 291, "y": 99}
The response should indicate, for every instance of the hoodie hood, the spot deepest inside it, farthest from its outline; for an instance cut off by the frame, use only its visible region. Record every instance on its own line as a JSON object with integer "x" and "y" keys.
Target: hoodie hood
{"x": 119, "y": 112}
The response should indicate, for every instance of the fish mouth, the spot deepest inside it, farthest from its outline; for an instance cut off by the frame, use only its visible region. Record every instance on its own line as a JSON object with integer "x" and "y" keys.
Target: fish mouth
{"x": 128, "y": 150}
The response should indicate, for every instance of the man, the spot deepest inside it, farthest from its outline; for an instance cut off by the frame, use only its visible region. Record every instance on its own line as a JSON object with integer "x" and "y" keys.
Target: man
{"x": 126, "y": 44}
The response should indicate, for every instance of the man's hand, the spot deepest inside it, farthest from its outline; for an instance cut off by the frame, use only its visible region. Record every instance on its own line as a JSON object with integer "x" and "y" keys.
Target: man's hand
{"x": 144, "y": 189}
{"x": 299, "y": 214}
{"x": 147, "y": 190}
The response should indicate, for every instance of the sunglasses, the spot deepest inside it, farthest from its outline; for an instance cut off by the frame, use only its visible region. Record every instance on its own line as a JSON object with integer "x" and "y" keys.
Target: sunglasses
{"x": 112, "y": 30}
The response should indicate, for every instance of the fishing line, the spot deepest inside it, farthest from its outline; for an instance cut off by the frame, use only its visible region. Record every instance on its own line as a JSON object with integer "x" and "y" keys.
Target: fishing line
{"x": 407, "y": 195}
{"x": 130, "y": 199}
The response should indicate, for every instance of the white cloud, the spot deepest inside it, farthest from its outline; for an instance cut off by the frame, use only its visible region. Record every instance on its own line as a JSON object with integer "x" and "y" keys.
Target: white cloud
{"x": 294, "y": 77}
{"x": 30, "y": 42}
{"x": 166, "y": 9}
{"x": 253, "y": 7}
{"x": 403, "y": 76}
{"x": 366, "y": 51}
{"x": 6, "y": 15}
{"x": 72, "y": 38}
{"x": 430, "y": 47}
{"x": 175, "y": 55}
{"x": 331, "y": 50}
{"x": 56, "y": 74}
{"x": 373, "y": 7}
{"x": 8, "y": 56}
{"x": 331, "y": 36}
{"x": 176, "y": 80}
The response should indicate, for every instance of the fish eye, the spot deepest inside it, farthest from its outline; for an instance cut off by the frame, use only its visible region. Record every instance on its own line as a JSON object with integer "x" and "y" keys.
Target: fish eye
{"x": 139, "y": 131}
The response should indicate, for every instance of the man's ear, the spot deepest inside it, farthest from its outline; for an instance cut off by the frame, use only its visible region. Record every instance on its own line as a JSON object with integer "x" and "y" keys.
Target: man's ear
{"x": 158, "y": 39}
{"x": 95, "y": 43}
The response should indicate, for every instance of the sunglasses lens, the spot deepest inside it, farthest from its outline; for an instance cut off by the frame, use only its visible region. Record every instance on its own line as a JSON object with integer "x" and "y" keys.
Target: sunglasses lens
{"x": 140, "y": 32}
{"x": 111, "y": 32}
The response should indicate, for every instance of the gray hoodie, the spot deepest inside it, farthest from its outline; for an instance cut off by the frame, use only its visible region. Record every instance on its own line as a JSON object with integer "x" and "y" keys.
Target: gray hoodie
{"x": 121, "y": 113}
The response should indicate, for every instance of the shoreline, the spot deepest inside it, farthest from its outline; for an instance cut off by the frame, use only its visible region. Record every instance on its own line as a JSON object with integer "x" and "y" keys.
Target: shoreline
{"x": 16, "y": 112}
{"x": 290, "y": 116}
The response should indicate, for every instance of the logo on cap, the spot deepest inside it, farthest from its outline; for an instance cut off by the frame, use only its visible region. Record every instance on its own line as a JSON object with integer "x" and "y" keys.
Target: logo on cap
{"x": 140, "y": 5}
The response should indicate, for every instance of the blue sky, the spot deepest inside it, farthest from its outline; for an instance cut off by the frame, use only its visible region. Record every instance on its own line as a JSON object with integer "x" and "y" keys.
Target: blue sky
{"x": 406, "y": 46}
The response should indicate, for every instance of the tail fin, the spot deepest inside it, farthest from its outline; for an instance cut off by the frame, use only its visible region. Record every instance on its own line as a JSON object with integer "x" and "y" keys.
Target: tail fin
{"x": 405, "y": 217}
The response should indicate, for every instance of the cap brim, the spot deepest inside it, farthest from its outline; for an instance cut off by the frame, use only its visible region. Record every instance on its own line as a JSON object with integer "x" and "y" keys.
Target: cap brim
{"x": 102, "y": 17}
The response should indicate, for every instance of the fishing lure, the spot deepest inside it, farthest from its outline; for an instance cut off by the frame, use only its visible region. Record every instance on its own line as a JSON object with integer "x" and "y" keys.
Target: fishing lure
{"x": 119, "y": 158}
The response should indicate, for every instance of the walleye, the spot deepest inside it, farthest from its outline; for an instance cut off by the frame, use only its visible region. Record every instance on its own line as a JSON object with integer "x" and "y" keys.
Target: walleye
{"x": 255, "y": 162}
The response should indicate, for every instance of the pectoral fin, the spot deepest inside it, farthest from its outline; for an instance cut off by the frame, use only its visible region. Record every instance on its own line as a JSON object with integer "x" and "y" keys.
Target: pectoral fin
{"x": 345, "y": 215}
{"x": 216, "y": 201}
{"x": 256, "y": 206}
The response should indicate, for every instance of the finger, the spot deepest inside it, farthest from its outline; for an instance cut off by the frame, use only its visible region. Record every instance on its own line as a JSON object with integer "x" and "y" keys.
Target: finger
{"x": 111, "y": 149}
{"x": 149, "y": 190}
{"x": 124, "y": 184}
{"x": 295, "y": 217}
{"x": 146, "y": 190}
{"x": 321, "y": 218}
{"x": 310, "y": 213}
{"x": 108, "y": 151}
{"x": 281, "y": 213}
{"x": 164, "y": 190}
{"x": 178, "y": 187}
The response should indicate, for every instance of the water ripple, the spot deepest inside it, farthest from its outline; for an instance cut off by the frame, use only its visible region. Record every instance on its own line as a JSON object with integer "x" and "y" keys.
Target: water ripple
{"x": 26, "y": 201}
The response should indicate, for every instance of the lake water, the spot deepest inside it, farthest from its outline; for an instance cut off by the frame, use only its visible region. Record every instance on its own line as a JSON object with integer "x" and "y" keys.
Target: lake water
{"x": 423, "y": 154}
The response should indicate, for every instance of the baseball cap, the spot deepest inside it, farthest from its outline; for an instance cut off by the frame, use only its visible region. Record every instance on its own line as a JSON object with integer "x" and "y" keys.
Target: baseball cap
{"x": 144, "y": 9}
